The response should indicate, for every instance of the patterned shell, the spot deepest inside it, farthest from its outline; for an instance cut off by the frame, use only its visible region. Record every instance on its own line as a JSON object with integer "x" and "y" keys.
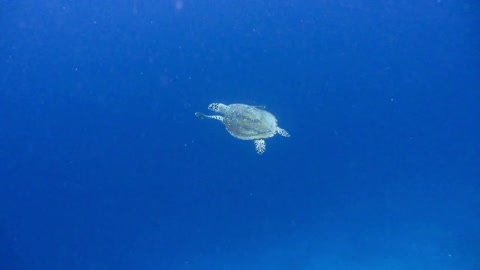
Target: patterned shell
{"x": 248, "y": 122}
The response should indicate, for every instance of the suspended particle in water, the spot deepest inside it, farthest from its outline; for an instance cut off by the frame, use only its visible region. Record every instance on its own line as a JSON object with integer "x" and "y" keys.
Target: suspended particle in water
{"x": 179, "y": 5}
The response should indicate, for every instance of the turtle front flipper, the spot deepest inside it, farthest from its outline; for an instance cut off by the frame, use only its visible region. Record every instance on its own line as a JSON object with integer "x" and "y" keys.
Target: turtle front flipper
{"x": 260, "y": 146}
{"x": 216, "y": 117}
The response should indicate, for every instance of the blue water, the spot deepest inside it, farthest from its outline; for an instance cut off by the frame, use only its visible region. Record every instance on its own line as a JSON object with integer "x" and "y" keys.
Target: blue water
{"x": 103, "y": 164}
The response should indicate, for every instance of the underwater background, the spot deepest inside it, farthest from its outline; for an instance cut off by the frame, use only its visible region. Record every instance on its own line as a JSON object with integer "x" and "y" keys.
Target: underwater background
{"x": 103, "y": 164}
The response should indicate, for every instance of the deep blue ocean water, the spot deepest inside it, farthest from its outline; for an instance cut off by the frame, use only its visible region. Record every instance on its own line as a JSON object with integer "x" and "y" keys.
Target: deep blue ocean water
{"x": 103, "y": 164}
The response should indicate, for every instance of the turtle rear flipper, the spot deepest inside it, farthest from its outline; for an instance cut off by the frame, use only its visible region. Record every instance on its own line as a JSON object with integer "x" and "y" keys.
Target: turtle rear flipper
{"x": 260, "y": 146}
{"x": 216, "y": 117}
{"x": 282, "y": 132}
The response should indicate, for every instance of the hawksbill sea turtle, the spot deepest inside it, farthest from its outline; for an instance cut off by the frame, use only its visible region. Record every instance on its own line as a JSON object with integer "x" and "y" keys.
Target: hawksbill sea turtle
{"x": 246, "y": 122}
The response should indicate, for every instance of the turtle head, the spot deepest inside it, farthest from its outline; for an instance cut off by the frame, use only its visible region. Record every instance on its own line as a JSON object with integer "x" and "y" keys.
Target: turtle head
{"x": 217, "y": 107}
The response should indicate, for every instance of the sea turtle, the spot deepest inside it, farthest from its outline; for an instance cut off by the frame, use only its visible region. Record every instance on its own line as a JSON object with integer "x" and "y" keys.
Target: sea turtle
{"x": 246, "y": 122}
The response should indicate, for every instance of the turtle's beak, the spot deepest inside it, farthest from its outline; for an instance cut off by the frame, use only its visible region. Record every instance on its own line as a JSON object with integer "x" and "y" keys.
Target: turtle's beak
{"x": 213, "y": 107}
